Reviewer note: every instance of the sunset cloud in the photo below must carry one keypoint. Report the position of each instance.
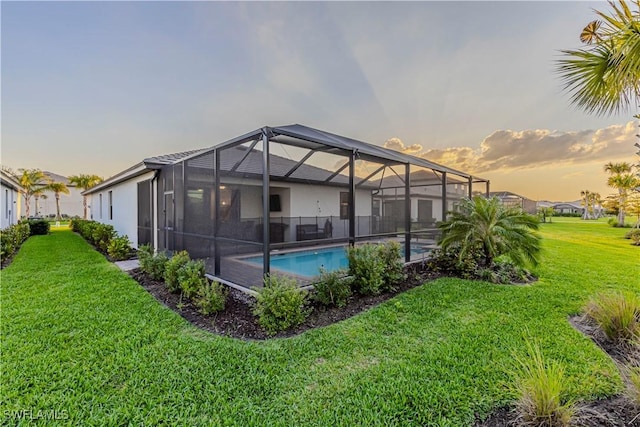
(398, 145)
(527, 149)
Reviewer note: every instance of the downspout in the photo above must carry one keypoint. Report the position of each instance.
(154, 208)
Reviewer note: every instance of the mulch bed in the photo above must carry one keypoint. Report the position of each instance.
(617, 411)
(238, 321)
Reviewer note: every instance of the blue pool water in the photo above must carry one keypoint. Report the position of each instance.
(308, 263)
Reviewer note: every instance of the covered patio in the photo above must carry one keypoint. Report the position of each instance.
(288, 200)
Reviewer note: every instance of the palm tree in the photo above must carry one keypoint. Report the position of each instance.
(39, 194)
(31, 181)
(621, 178)
(589, 200)
(85, 182)
(604, 78)
(486, 225)
(57, 188)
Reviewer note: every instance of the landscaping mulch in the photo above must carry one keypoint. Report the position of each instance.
(238, 321)
(617, 411)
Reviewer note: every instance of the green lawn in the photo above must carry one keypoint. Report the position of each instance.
(79, 336)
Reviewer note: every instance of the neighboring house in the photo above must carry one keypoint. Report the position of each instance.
(10, 199)
(70, 204)
(510, 199)
(568, 208)
(297, 185)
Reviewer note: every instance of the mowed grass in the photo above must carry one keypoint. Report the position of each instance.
(80, 336)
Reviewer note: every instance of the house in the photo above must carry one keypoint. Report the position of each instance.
(10, 191)
(286, 199)
(513, 200)
(70, 204)
(573, 208)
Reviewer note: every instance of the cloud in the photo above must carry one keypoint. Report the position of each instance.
(398, 145)
(528, 149)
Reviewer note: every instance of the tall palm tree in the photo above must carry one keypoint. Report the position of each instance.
(85, 182)
(39, 194)
(57, 188)
(621, 178)
(486, 225)
(604, 78)
(31, 181)
(589, 200)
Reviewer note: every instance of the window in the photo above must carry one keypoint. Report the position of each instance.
(100, 213)
(6, 203)
(344, 205)
(110, 204)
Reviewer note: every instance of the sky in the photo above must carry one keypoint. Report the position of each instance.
(95, 87)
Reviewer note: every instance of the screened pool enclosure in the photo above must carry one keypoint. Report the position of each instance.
(288, 200)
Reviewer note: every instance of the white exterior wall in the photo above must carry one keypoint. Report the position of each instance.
(10, 206)
(70, 204)
(125, 207)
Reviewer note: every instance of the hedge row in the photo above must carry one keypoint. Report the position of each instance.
(104, 237)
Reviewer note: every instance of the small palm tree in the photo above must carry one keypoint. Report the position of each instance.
(85, 182)
(32, 181)
(621, 178)
(604, 78)
(39, 194)
(486, 225)
(57, 188)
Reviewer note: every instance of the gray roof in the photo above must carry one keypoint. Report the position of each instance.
(303, 136)
(506, 195)
(168, 159)
(282, 168)
(58, 178)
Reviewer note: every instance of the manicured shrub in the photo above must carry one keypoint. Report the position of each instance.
(152, 264)
(12, 237)
(119, 248)
(39, 227)
(171, 269)
(451, 262)
(617, 314)
(539, 387)
(634, 235)
(191, 277)
(280, 304)
(390, 254)
(333, 288)
(102, 234)
(211, 297)
(367, 268)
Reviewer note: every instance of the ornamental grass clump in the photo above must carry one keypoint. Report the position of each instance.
(617, 314)
(540, 387)
(280, 304)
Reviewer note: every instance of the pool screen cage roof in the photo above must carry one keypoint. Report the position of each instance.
(221, 203)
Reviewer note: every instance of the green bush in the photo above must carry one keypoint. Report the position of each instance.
(503, 271)
(280, 304)
(171, 269)
(102, 234)
(12, 237)
(634, 235)
(333, 288)
(390, 254)
(450, 262)
(617, 314)
(152, 264)
(145, 255)
(211, 297)
(367, 268)
(38, 227)
(119, 248)
(539, 386)
(191, 278)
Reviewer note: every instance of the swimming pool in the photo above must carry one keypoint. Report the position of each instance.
(308, 263)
